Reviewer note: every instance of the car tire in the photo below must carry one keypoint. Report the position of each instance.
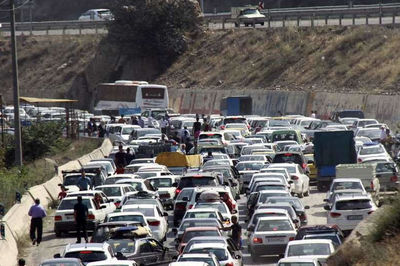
(58, 233)
(307, 193)
(262, 23)
(301, 195)
(246, 25)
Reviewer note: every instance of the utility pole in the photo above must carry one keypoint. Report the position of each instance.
(17, 124)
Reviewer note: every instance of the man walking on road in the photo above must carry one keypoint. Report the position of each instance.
(37, 212)
(80, 213)
(84, 182)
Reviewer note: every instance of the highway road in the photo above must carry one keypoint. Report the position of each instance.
(52, 245)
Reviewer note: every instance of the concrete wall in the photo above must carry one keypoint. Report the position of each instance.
(269, 102)
(17, 219)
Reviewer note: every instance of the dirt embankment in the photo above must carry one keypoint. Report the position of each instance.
(336, 59)
(362, 59)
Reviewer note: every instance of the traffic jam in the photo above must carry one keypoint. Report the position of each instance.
(187, 189)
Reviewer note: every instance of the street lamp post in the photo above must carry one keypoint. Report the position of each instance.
(17, 123)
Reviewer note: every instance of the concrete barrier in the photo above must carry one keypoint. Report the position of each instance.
(17, 218)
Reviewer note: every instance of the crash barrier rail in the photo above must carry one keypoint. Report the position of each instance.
(312, 14)
(16, 220)
(64, 26)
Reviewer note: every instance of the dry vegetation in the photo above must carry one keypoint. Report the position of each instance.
(326, 58)
(47, 65)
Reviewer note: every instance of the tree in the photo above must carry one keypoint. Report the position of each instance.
(158, 28)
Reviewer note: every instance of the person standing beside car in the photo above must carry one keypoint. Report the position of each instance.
(80, 214)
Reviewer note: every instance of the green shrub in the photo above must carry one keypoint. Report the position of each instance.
(388, 224)
(154, 28)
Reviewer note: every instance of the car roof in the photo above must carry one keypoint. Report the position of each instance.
(270, 210)
(61, 260)
(114, 214)
(201, 228)
(202, 210)
(86, 246)
(299, 259)
(272, 218)
(352, 197)
(112, 262)
(310, 241)
(346, 180)
(273, 191)
(207, 245)
(196, 255)
(112, 185)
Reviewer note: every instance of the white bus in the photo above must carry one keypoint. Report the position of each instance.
(126, 94)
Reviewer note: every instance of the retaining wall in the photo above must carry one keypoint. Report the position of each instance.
(17, 220)
(270, 102)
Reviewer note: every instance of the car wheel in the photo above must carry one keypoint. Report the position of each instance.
(236, 24)
(246, 25)
(307, 193)
(58, 233)
(262, 23)
(300, 195)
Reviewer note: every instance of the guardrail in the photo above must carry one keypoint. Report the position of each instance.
(313, 14)
(62, 26)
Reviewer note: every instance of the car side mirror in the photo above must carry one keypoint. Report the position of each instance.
(57, 256)
(327, 208)
(238, 257)
(326, 200)
(295, 221)
(175, 184)
(250, 229)
(234, 211)
(165, 214)
(306, 207)
(290, 182)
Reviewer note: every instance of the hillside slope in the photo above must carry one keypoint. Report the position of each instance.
(348, 58)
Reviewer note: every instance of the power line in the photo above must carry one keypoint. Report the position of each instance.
(15, 8)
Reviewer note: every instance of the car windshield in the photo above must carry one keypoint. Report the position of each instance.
(335, 239)
(111, 191)
(87, 255)
(201, 215)
(274, 225)
(218, 252)
(264, 196)
(249, 166)
(295, 202)
(127, 218)
(270, 187)
(70, 203)
(189, 235)
(353, 204)
(143, 132)
(136, 185)
(127, 130)
(234, 120)
(369, 133)
(309, 250)
(209, 261)
(71, 180)
(386, 167)
(220, 207)
(347, 185)
(290, 169)
(161, 182)
(373, 150)
(197, 181)
(147, 212)
(366, 122)
(279, 123)
(122, 245)
(198, 223)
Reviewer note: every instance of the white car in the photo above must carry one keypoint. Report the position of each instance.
(115, 192)
(96, 14)
(301, 182)
(138, 184)
(320, 249)
(266, 213)
(373, 134)
(114, 178)
(126, 131)
(270, 236)
(219, 206)
(205, 214)
(283, 178)
(64, 220)
(375, 150)
(345, 183)
(85, 252)
(363, 122)
(348, 211)
(166, 189)
(224, 255)
(156, 219)
(113, 263)
(276, 170)
(128, 217)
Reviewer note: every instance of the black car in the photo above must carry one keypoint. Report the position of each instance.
(145, 251)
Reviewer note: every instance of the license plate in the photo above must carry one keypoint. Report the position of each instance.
(355, 217)
(275, 239)
(69, 216)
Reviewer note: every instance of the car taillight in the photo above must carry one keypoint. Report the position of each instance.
(91, 217)
(190, 206)
(165, 196)
(154, 223)
(372, 185)
(394, 178)
(291, 238)
(177, 191)
(257, 240)
(370, 212)
(335, 214)
(57, 218)
(295, 177)
(117, 204)
(229, 264)
(304, 165)
(222, 127)
(359, 160)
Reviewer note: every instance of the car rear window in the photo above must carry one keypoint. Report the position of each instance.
(111, 191)
(210, 136)
(264, 196)
(70, 203)
(60, 264)
(147, 212)
(353, 204)
(252, 166)
(266, 214)
(199, 223)
(234, 120)
(288, 158)
(374, 150)
(127, 218)
(206, 260)
(274, 225)
(197, 181)
(270, 187)
(220, 207)
(122, 245)
(87, 255)
(218, 252)
(191, 234)
(309, 250)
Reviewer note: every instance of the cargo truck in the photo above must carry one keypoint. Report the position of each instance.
(330, 149)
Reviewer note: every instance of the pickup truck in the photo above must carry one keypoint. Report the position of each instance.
(64, 220)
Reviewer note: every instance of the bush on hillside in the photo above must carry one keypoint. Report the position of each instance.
(388, 224)
(158, 28)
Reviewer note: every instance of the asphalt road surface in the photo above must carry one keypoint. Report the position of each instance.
(52, 245)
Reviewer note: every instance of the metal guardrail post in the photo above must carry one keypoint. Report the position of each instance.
(269, 21)
(326, 20)
(223, 23)
(340, 20)
(63, 31)
(208, 23)
(80, 29)
(95, 27)
(47, 30)
(354, 19)
(394, 19)
(254, 23)
(283, 21)
(380, 14)
(298, 21)
(312, 20)
(366, 19)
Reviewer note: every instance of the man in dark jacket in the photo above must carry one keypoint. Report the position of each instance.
(81, 213)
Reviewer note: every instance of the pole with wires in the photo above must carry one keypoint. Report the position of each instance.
(17, 123)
